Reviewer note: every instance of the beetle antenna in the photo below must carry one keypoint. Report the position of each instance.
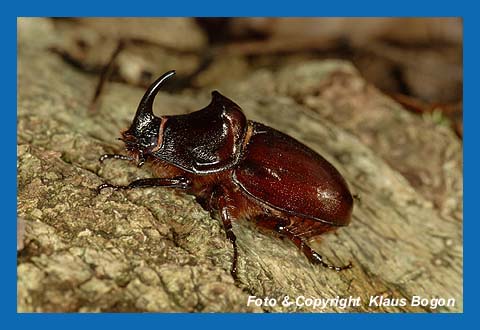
(145, 108)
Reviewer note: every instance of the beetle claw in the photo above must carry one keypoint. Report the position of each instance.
(101, 187)
(347, 266)
(317, 259)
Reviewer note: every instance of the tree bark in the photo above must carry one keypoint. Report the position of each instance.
(157, 250)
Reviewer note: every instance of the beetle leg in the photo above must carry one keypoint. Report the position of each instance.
(311, 255)
(281, 226)
(177, 182)
(141, 158)
(114, 156)
(227, 225)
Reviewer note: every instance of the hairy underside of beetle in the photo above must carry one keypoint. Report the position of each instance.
(207, 189)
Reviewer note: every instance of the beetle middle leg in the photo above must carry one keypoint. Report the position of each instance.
(227, 225)
(283, 227)
(221, 201)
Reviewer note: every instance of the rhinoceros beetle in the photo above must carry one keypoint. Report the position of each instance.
(241, 168)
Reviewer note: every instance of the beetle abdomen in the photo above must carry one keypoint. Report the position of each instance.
(287, 175)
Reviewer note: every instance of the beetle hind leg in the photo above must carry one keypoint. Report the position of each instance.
(282, 226)
(311, 254)
(316, 258)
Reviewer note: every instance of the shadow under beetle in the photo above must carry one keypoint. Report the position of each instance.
(241, 168)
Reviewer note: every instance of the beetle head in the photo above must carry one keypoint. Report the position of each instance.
(204, 141)
(142, 136)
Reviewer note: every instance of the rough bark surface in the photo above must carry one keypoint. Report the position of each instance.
(157, 250)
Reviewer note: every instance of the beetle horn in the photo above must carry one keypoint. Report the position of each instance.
(145, 108)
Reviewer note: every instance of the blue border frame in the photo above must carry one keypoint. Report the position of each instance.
(243, 8)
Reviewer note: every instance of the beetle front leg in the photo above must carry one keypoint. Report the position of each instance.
(141, 159)
(177, 182)
(114, 156)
